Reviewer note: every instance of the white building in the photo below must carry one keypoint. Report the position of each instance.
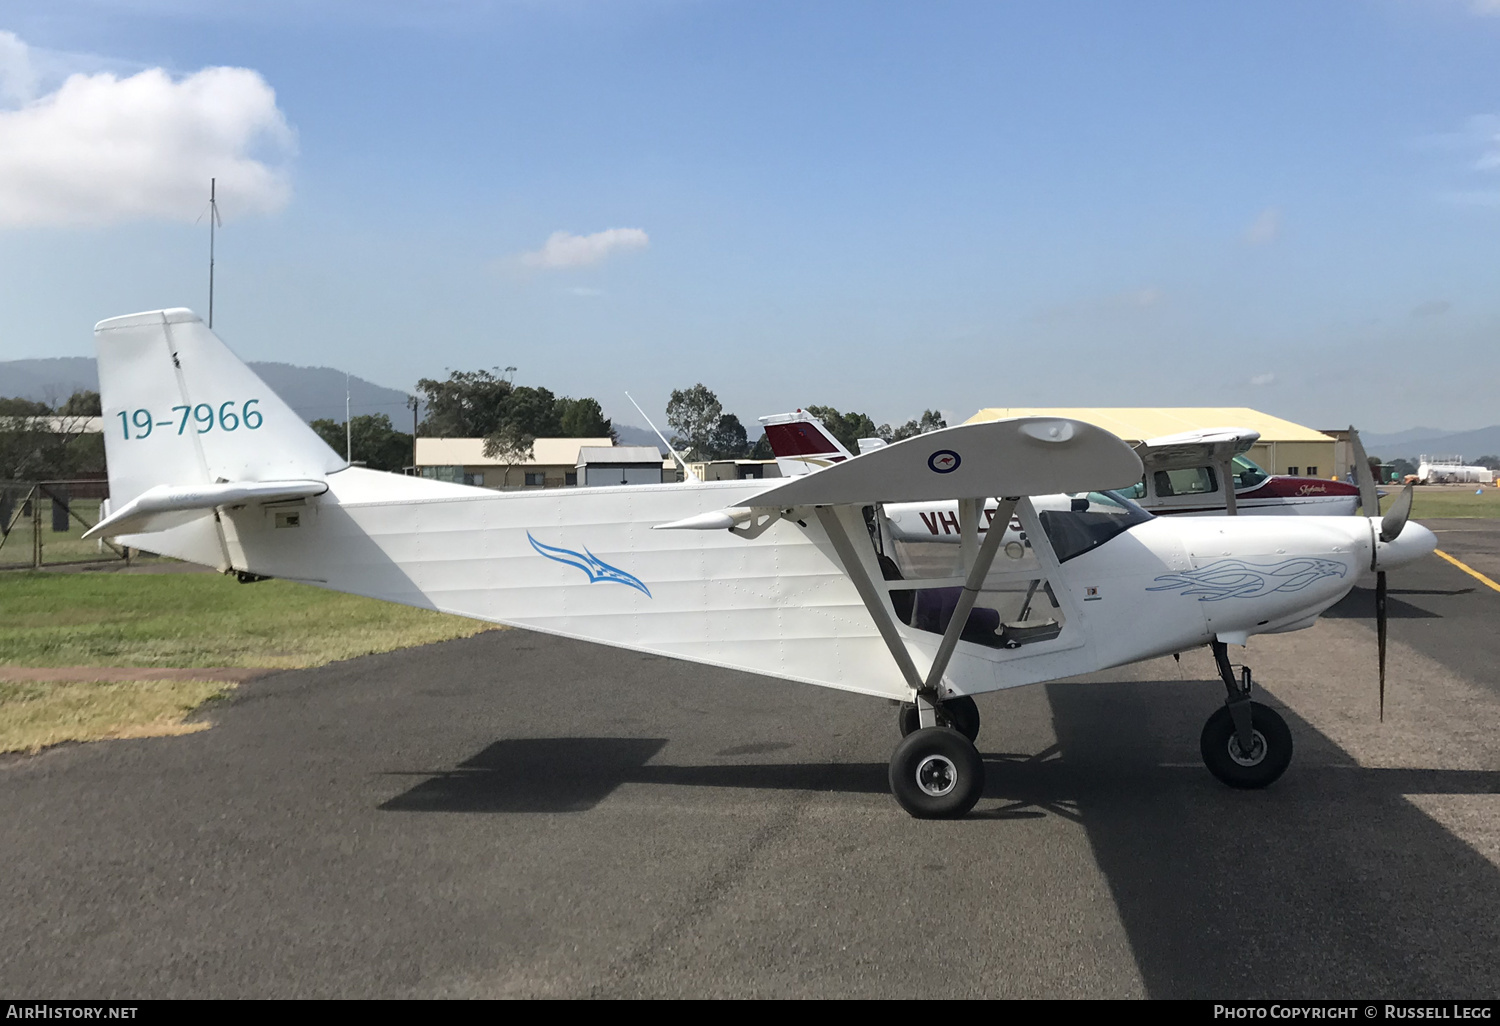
(619, 464)
(553, 462)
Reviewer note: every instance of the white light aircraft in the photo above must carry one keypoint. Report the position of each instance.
(206, 464)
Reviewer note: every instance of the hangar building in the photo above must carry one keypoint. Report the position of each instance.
(1284, 447)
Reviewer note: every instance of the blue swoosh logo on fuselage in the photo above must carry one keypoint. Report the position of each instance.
(596, 568)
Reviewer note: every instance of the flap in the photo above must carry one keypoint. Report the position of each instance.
(1021, 456)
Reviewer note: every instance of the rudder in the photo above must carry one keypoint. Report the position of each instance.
(181, 410)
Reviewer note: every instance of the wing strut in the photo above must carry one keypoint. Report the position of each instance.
(977, 573)
(874, 600)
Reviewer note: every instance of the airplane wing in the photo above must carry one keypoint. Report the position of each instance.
(1195, 448)
(1022, 456)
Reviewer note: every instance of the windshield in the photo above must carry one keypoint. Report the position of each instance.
(1247, 474)
(1089, 520)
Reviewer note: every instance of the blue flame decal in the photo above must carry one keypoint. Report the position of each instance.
(596, 568)
(1235, 578)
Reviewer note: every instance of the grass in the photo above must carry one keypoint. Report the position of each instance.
(1447, 501)
(196, 620)
(174, 620)
(34, 716)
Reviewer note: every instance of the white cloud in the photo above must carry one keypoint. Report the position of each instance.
(563, 249)
(1264, 229)
(1485, 6)
(583, 290)
(18, 77)
(1263, 379)
(104, 148)
(1489, 160)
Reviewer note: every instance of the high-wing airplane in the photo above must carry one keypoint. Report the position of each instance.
(208, 465)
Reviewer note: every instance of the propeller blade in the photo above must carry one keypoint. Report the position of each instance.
(1363, 475)
(1392, 523)
(1380, 634)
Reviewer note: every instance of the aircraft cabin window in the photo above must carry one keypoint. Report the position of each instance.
(1247, 474)
(1191, 481)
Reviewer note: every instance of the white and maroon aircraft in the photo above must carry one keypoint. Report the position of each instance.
(208, 465)
(1182, 474)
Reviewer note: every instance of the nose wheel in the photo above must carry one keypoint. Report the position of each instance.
(1267, 757)
(936, 773)
(1244, 744)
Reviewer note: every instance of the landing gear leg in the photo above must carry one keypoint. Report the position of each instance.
(960, 712)
(1244, 744)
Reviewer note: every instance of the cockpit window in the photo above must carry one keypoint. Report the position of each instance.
(1090, 520)
(1247, 474)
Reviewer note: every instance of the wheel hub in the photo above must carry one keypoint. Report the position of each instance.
(937, 776)
(1257, 752)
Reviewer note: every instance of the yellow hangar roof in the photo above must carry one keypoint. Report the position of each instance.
(1137, 423)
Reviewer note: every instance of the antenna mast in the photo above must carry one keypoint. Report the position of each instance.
(213, 223)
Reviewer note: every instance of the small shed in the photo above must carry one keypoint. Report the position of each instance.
(619, 464)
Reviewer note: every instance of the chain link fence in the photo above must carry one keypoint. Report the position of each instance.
(42, 524)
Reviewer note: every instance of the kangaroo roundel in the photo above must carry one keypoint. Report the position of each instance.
(944, 461)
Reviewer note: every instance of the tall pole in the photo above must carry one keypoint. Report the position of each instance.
(213, 217)
(411, 401)
(348, 424)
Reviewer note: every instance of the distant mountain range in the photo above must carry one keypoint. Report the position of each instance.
(1416, 442)
(314, 392)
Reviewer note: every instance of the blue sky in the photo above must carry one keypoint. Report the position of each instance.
(877, 206)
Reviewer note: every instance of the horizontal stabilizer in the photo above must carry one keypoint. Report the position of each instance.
(167, 506)
(1023, 456)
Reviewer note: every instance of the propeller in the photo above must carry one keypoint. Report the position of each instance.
(1391, 526)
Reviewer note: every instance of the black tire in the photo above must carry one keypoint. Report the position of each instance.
(1269, 758)
(962, 714)
(936, 773)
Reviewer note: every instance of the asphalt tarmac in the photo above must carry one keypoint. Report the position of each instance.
(515, 815)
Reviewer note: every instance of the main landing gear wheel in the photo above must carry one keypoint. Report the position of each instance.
(936, 773)
(1270, 750)
(961, 713)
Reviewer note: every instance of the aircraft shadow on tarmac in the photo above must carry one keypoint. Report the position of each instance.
(1359, 604)
(1329, 883)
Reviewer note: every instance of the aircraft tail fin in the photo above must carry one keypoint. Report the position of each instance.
(801, 444)
(183, 412)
